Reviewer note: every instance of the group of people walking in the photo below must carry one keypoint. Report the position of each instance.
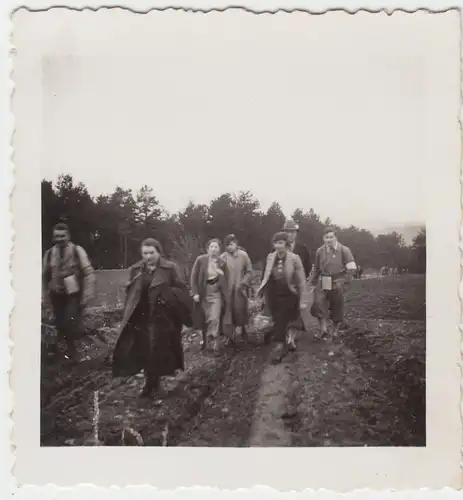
(158, 302)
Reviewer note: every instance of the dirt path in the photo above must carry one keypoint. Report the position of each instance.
(275, 399)
(363, 388)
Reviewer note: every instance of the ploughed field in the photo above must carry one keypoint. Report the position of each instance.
(367, 387)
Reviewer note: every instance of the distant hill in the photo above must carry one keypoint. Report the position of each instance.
(408, 231)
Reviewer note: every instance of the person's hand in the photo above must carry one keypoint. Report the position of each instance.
(303, 305)
(196, 298)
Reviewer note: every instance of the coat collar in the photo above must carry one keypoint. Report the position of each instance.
(162, 263)
(160, 275)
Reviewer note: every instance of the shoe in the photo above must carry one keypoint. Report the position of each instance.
(231, 342)
(73, 357)
(70, 351)
(203, 342)
(215, 347)
(148, 389)
(291, 340)
(278, 354)
(291, 345)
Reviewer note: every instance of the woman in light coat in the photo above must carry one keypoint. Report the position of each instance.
(209, 290)
(283, 288)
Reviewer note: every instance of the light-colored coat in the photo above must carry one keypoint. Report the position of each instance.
(294, 271)
(198, 282)
(239, 275)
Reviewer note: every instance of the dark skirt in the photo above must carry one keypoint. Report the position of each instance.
(284, 308)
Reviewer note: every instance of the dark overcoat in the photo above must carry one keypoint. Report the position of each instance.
(170, 307)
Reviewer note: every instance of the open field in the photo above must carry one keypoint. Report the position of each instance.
(110, 287)
(367, 387)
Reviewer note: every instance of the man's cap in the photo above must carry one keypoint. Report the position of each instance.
(290, 225)
(229, 238)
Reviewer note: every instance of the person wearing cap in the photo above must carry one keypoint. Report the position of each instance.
(291, 228)
(68, 284)
(239, 273)
(283, 289)
(334, 266)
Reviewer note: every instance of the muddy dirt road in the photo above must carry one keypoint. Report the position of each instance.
(365, 387)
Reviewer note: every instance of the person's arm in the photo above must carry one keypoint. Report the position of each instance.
(301, 279)
(88, 275)
(127, 285)
(349, 263)
(307, 262)
(177, 280)
(316, 271)
(194, 278)
(266, 263)
(247, 275)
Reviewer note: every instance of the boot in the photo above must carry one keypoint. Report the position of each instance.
(215, 347)
(323, 327)
(291, 342)
(71, 351)
(336, 327)
(244, 334)
(204, 340)
(279, 353)
(151, 386)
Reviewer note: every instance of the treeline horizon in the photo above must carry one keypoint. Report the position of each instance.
(111, 227)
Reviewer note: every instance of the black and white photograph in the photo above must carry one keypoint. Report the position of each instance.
(235, 223)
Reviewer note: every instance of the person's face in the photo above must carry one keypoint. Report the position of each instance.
(279, 246)
(291, 236)
(213, 248)
(329, 239)
(232, 246)
(149, 254)
(60, 236)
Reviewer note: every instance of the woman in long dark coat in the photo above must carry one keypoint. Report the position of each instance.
(157, 304)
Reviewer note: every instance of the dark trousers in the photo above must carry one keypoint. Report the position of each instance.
(284, 308)
(67, 313)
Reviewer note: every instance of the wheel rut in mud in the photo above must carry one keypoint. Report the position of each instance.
(210, 404)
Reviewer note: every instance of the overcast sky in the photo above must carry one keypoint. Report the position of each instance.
(312, 113)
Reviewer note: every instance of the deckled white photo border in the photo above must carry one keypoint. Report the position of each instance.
(6, 185)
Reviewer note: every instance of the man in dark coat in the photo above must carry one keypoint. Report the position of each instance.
(292, 230)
